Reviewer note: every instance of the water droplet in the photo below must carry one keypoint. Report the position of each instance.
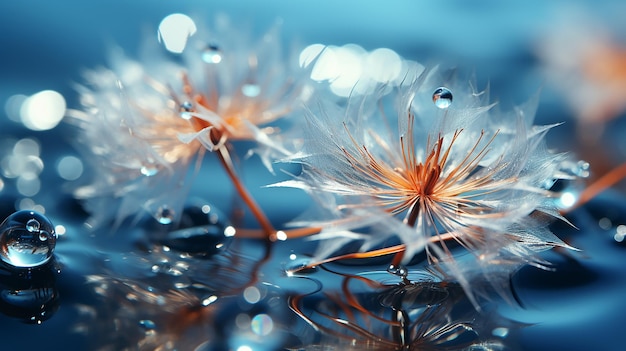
(147, 324)
(251, 90)
(27, 239)
(149, 170)
(32, 225)
(186, 106)
(567, 192)
(299, 265)
(582, 169)
(212, 54)
(201, 230)
(400, 271)
(164, 215)
(573, 169)
(442, 97)
(500, 332)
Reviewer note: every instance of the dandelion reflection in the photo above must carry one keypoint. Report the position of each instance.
(421, 315)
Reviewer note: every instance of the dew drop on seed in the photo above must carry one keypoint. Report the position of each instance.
(572, 168)
(186, 106)
(27, 239)
(185, 110)
(400, 270)
(212, 54)
(442, 97)
(582, 169)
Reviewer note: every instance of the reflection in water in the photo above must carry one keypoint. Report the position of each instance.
(421, 315)
(29, 295)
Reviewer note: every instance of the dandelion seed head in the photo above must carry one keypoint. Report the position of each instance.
(434, 176)
(145, 122)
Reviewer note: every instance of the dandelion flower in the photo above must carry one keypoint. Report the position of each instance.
(454, 170)
(143, 124)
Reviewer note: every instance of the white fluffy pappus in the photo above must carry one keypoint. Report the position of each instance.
(143, 123)
(432, 175)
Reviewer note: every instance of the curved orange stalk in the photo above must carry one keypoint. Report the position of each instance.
(218, 136)
(269, 230)
(397, 249)
(288, 233)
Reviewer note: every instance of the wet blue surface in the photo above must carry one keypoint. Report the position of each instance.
(86, 290)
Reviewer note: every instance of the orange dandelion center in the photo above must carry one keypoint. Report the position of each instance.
(440, 191)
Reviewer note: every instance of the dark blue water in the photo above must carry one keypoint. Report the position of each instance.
(142, 287)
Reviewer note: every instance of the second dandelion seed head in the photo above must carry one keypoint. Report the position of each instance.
(144, 122)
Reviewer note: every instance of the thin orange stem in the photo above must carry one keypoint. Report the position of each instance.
(289, 233)
(399, 250)
(606, 181)
(224, 157)
(369, 254)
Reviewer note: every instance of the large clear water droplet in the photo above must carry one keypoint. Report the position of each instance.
(442, 97)
(201, 230)
(27, 239)
(212, 54)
